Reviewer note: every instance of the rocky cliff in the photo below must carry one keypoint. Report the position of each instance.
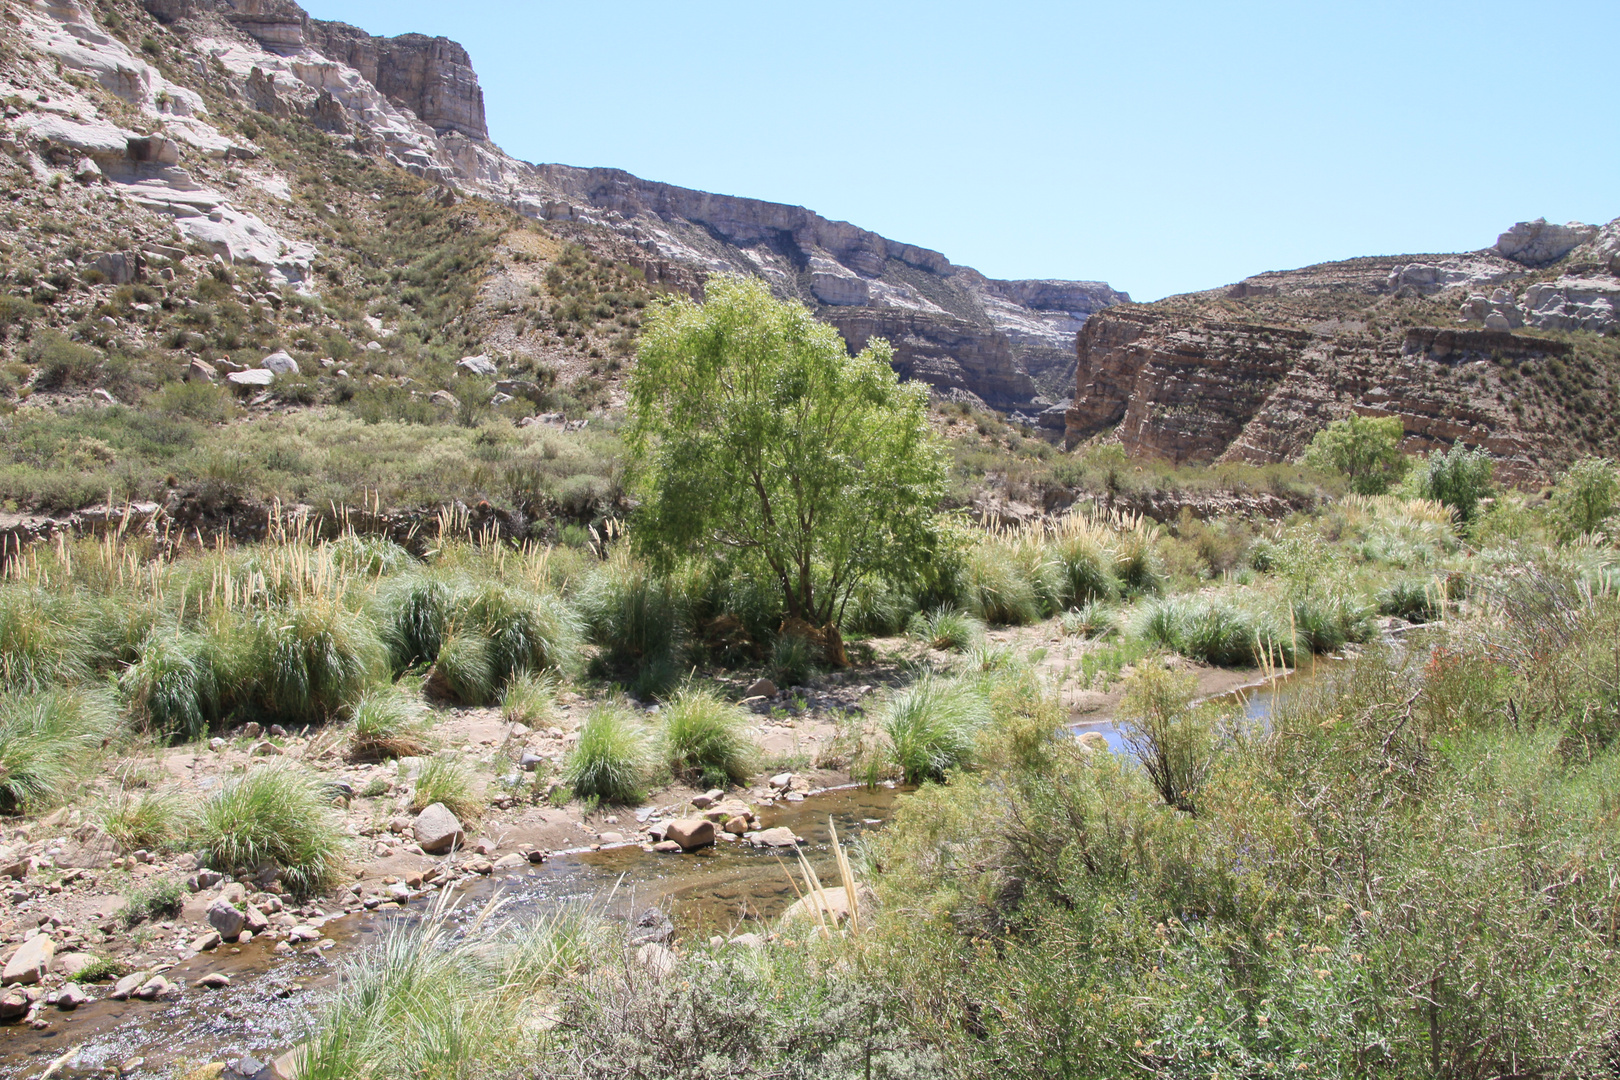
(416, 101)
(1250, 372)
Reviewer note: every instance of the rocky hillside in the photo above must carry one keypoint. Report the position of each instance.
(169, 137)
(1512, 348)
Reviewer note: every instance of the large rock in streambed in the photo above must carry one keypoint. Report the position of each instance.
(437, 829)
(833, 905)
(30, 963)
(227, 919)
(690, 833)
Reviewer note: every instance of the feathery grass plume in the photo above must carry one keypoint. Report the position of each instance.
(276, 814)
(1000, 585)
(932, 725)
(1078, 569)
(945, 629)
(635, 618)
(43, 640)
(158, 819)
(704, 738)
(465, 669)
(388, 723)
(529, 699)
(374, 556)
(1173, 740)
(446, 780)
(171, 687)
(414, 614)
(46, 740)
(526, 632)
(1136, 563)
(610, 761)
(318, 657)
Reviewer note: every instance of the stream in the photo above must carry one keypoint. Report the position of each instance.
(273, 1002)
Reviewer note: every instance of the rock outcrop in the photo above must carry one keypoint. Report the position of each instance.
(1252, 371)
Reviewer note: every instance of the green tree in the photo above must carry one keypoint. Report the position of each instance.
(1365, 449)
(1460, 478)
(756, 436)
(1584, 498)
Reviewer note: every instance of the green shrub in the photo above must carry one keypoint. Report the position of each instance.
(1078, 571)
(63, 364)
(44, 641)
(388, 723)
(932, 725)
(609, 762)
(1173, 740)
(945, 629)
(526, 632)
(1136, 565)
(374, 556)
(465, 669)
(795, 660)
(47, 740)
(1203, 628)
(199, 401)
(1414, 599)
(1585, 497)
(414, 614)
(274, 814)
(1000, 589)
(160, 898)
(704, 739)
(100, 969)
(1091, 620)
(157, 819)
(446, 780)
(1366, 450)
(318, 658)
(1459, 478)
(171, 687)
(529, 699)
(637, 621)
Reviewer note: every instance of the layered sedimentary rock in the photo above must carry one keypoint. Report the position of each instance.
(1252, 371)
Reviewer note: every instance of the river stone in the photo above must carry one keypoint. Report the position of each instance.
(761, 688)
(214, 980)
(126, 986)
(226, 918)
(781, 836)
(13, 1004)
(667, 847)
(690, 833)
(30, 963)
(782, 781)
(737, 826)
(212, 1071)
(1093, 740)
(70, 997)
(437, 829)
(610, 838)
(835, 909)
(748, 941)
(512, 861)
(206, 941)
(658, 961)
(70, 964)
(251, 377)
(254, 921)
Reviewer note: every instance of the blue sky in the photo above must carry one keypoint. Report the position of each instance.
(1161, 147)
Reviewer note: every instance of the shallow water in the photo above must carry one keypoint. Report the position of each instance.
(272, 1002)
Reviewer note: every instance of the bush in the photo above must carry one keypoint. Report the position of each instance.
(529, 699)
(1459, 478)
(46, 742)
(465, 669)
(446, 780)
(999, 587)
(637, 621)
(44, 641)
(527, 633)
(157, 819)
(171, 688)
(1173, 740)
(704, 739)
(609, 762)
(63, 364)
(932, 725)
(1202, 628)
(1413, 599)
(414, 613)
(388, 724)
(161, 898)
(1089, 620)
(795, 660)
(199, 401)
(945, 629)
(100, 969)
(1585, 497)
(318, 657)
(274, 814)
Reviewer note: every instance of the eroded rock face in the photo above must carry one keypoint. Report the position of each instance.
(1192, 379)
(1539, 242)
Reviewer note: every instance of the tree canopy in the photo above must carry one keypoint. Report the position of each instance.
(1365, 449)
(757, 437)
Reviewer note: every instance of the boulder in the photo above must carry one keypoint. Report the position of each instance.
(13, 1004)
(70, 997)
(30, 963)
(201, 371)
(690, 833)
(737, 826)
(833, 904)
(478, 365)
(444, 399)
(437, 830)
(253, 377)
(214, 980)
(761, 688)
(781, 836)
(118, 267)
(70, 964)
(1538, 242)
(658, 961)
(254, 920)
(280, 363)
(227, 919)
(125, 987)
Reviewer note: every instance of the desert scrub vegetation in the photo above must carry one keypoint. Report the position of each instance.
(1336, 887)
(389, 723)
(448, 781)
(611, 762)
